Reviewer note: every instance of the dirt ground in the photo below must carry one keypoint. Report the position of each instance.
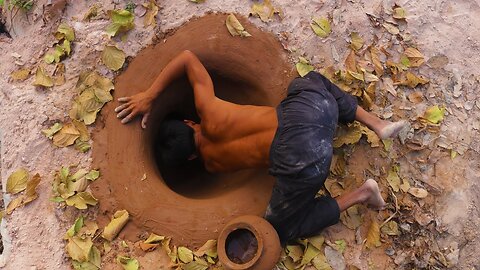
(440, 228)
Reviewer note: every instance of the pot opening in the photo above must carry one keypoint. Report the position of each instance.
(241, 246)
(191, 179)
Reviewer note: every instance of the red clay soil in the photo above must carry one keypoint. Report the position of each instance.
(188, 204)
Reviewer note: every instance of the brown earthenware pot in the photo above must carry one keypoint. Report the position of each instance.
(268, 246)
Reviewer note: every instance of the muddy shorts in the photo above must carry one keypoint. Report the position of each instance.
(301, 154)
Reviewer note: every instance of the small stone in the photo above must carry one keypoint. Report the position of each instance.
(405, 227)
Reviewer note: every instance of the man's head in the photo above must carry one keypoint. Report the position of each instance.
(176, 142)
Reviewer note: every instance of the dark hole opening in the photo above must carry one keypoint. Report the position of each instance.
(191, 179)
(241, 246)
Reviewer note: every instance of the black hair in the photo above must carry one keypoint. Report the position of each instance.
(175, 142)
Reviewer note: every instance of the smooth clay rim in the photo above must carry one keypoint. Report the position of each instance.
(222, 252)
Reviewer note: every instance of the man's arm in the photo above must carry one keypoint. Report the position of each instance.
(185, 62)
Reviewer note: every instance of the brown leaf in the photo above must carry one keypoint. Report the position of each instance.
(415, 97)
(415, 56)
(350, 62)
(66, 136)
(375, 55)
(59, 74)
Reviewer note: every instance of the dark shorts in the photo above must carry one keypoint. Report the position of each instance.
(301, 154)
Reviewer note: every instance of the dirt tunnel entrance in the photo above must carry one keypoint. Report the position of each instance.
(188, 204)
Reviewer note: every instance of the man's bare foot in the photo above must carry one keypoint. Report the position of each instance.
(390, 129)
(373, 198)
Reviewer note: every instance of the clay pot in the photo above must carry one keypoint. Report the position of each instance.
(265, 253)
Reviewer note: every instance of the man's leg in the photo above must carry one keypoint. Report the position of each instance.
(368, 193)
(348, 110)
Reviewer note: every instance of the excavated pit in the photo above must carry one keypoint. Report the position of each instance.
(188, 204)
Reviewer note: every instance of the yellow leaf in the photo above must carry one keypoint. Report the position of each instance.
(320, 262)
(152, 11)
(20, 75)
(434, 114)
(405, 186)
(333, 187)
(390, 228)
(415, 57)
(391, 28)
(31, 190)
(42, 79)
(195, 265)
(185, 255)
(66, 136)
(351, 218)
(65, 31)
(113, 57)
(264, 11)
(399, 13)
(316, 241)
(321, 27)
(128, 263)
(82, 130)
(235, 27)
(418, 192)
(59, 74)
(17, 181)
(79, 248)
(14, 204)
(122, 21)
(351, 136)
(91, 12)
(295, 252)
(303, 66)
(120, 218)
(152, 242)
(413, 80)
(373, 235)
(209, 248)
(393, 179)
(310, 253)
(356, 42)
(81, 200)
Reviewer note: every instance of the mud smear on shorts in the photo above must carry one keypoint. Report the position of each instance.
(195, 205)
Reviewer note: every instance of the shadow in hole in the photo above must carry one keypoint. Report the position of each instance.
(191, 179)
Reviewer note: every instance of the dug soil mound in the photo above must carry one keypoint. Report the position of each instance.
(187, 203)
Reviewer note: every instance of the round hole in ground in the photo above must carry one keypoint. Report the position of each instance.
(192, 179)
(241, 246)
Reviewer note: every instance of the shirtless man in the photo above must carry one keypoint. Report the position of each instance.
(293, 140)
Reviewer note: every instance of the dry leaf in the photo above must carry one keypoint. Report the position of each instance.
(350, 62)
(391, 28)
(265, 11)
(91, 12)
(120, 218)
(185, 255)
(42, 79)
(295, 252)
(393, 179)
(399, 13)
(320, 262)
(20, 75)
(303, 66)
(415, 97)
(390, 228)
(152, 242)
(17, 181)
(209, 248)
(415, 57)
(356, 42)
(413, 80)
(49, 132)
(310, 253)
(434, 114)
(418, 192)
(351, 217)
(321, 27)
(373, 235)
(128, 263)
(152, 11)
(375, 56)
(235, 27)
(66, 136)
(59, 74)
(81, 200)
(82, 130)
(113, 57)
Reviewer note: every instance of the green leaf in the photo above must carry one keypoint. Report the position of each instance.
(434, 114)
(42, 79)
(81, 200)
(122, 21)
(17, 181)
(235, 27)
(94, 257)
(128, 263)
(75, 227)
(185, 255)
(303, 66)
(52, 130)
(92, 175)
(66, 136)
(113, 57)
(321, 27)
(65, 31)
(82, 146)
(120, 218)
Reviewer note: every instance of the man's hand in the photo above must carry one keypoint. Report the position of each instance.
(139, 104)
